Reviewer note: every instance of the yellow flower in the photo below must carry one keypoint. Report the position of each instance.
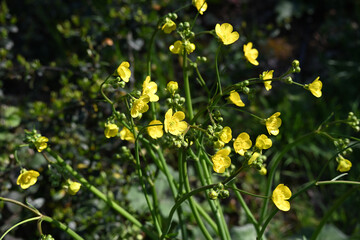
(235, 99)
(253, 158)
(221, 160)
(226, 34)
(124, 71)
(155, 131)
(344, 165)
(169, 26)
(73, 187)
(172, 87)
(263, 171)
(273, 123)
(41, 143)
(111, 130)
(27, 178)
(242, 143)
(126, 134)
(178, 47)
(225, 135)
(315, 87)
(174, 124)
(279, 197)
(263, 142)
(150, 89)
(140, 106)
(200, 5)
(251, 53)
(265, 76)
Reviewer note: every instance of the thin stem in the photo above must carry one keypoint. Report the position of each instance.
(268, 219)
(140, 175)
(20, 204)
(337, 182)
(63, 227)
(99, 194)
(217, 70)
(178, 203)
(276, 160)
(217, 211)
(199, 221)
(272, 214)
(20, 223)
(245, 207)
(187, 87)
(336, 205)
(233, 187)
(149, 54)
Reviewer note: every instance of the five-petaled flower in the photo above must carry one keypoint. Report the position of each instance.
(124, 71)
(178, 47)
(280, 196)
(235, 99)
(174, 124)
(273, 123)
(150, 89)
(111, 130)
(265, 76)
(251, 53)
(226, 34)
(155, 129)
(126, 134)
(140, 106)
(344, 164)
(221, 160)
(315, 87)
(168, 26)
(27, 178)
(242, 143)
(200, 5)
(73, 187)
(263, 142)
(41, 143)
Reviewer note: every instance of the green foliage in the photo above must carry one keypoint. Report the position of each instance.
(54, 56)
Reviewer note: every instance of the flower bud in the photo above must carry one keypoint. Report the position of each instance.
(246, 90)
(224, 194)
(288, 80)
(213, 195)
(295, 64)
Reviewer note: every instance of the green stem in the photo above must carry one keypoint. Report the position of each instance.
(187, 87)
(337, 182)
(63, 227)
(217, 211)
(20, 204)
(272, 214)
(246, 208)
(217, 70)
(336, 205)
(99, 194)
(203, 229)
(149, 54)
(178, 203)
(140, 175)
(276, 160)
(20, 223)
(233, 187)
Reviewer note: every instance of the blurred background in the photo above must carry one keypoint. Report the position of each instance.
(55, 54)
